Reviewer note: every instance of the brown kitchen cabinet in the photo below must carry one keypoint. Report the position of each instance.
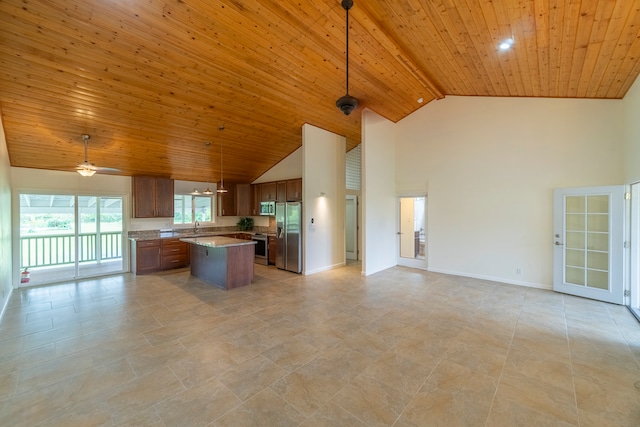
(146, 256)
(175, 254)
(227, 202)
(294, 190)
(152, 197)
(281, 191)
(256, 196)
(269, 191)
(244, 200)
(271, 241)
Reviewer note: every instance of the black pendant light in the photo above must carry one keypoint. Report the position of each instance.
(347, 103)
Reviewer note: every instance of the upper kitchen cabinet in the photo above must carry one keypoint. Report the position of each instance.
(269, 192)
(152, 197)
(256, 195)
(294, 190)
(244, 200)
(227, 202)
(281, 191)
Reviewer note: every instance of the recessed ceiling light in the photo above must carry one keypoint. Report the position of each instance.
(506, 44)
(420, 100)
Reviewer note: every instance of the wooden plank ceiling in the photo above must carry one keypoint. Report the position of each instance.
(152, 80)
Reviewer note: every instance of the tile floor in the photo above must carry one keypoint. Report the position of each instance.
(398, 348)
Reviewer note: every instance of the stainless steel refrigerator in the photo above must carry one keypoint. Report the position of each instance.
(289, 236)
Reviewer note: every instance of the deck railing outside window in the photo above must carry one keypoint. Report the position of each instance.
(52, 250)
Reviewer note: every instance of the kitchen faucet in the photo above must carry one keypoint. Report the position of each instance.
(195, 226)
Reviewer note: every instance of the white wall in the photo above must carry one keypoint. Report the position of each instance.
(491, 165)
(631, 103)
(323, 170)
(6, 277)
(288, 168)
(380, 242)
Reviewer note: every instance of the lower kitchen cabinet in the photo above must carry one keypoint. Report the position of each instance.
(175, 254)
(145, 256)
(160, 254)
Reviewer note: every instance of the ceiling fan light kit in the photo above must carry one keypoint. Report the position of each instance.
(347, 103)
(85, 168)
(89, 169)
(86, 171)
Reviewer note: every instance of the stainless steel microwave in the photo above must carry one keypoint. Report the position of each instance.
(268, 208)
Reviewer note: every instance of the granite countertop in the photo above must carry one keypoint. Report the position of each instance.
(155, 234)
(217, 241)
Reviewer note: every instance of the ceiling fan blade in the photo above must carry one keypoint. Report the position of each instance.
(105, 169)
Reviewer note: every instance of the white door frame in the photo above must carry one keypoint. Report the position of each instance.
(354, 234)
(409, 262)
(634, 251)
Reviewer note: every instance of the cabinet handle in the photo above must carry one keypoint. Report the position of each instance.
(175, 250)
(175, 261)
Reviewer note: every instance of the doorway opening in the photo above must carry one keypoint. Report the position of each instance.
(412, 232)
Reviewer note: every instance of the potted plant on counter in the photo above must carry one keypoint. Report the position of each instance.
(245, 224)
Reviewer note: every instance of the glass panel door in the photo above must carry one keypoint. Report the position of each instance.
(47, 238)
(99, 236)
(63, 237)
(588, 242)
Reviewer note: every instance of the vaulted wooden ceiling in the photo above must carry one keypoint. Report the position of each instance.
(152, 80)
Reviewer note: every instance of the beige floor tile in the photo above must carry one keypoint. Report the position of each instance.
(538, 395)
(621, 405)
(401, 347)
(372, 401)
(398, 372)
(311, 386)
(263, 409)
(507, 413)
(444, 408)
(250, 377)
(540, 366)
(292, 353)
(198, 406)
(332, 415)
(150, 359)
(142, 393)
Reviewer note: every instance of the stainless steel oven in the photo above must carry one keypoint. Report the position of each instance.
(262, 249)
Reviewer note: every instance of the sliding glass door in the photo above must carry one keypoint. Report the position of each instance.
(64, 237)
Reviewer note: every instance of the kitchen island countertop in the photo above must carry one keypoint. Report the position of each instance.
(217, 241)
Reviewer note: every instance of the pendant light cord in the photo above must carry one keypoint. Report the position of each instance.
(346, 9)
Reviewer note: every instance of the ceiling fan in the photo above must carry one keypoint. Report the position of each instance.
(89, 169)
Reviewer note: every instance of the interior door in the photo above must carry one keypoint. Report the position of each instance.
(588, 242)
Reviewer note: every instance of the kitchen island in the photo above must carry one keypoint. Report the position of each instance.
(222, 261)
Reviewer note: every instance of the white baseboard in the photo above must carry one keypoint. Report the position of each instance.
(494, 279)
(327, 268)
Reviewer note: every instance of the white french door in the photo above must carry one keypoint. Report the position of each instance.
(589, 242)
